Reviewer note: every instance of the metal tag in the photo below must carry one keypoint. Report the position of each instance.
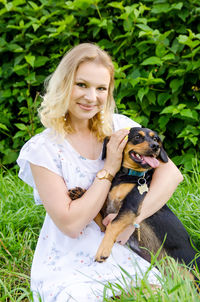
(143, 188)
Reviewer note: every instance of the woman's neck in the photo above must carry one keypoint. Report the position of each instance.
(80, 126)
(85, 143)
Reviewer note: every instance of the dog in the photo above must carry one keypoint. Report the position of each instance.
(142, 154)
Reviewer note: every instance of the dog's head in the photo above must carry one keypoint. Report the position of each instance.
(143, 150)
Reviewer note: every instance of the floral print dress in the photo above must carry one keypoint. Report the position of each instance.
(63, 268)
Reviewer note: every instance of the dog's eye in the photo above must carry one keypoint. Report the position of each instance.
(156, 139)
(137, 136)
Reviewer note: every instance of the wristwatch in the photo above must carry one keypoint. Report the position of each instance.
(104, 174)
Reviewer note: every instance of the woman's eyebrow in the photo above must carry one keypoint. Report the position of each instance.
(80, 79)
(88, 81)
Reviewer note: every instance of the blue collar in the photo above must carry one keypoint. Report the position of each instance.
(133, 172)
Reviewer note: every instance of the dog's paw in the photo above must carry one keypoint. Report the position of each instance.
(76, 193)
(102, 228)
(102, 254)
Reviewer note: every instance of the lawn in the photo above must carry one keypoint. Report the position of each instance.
(21, 220)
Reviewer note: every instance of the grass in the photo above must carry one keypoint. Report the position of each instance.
(20, 223)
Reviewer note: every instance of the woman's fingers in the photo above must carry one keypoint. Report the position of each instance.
(125, 235)
(115, 148)
(117, 142)
(118, 137)
(109, 218)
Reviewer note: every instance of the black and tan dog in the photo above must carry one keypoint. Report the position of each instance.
(141, 156)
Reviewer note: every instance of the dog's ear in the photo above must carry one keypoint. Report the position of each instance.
(106, 140)
(163, 155)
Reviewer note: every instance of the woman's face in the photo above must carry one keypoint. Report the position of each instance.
(90, 91)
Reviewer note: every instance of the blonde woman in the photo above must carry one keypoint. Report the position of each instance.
(77, 111)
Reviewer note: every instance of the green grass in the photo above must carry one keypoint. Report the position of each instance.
(20, 223)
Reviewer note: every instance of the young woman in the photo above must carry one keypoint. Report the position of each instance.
(77, 111)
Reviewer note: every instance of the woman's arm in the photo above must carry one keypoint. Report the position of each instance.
(71, 217)
(164, 182)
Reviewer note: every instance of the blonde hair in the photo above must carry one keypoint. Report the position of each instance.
(59, 87)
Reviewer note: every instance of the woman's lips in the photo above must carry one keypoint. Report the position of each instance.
(86, 107)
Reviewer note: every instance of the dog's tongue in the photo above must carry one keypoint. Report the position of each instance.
(151, 161)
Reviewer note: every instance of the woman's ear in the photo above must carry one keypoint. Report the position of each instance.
(106, 140)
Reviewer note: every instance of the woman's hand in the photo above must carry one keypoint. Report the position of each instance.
(125, 235)
(114, 151)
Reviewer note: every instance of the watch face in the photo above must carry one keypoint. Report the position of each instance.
(101, 173)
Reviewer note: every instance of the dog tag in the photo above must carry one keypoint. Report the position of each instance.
(142, 186)
(137, 227)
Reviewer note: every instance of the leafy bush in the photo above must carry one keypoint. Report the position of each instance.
(155, 46)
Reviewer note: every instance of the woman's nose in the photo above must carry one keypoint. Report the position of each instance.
(90, 94)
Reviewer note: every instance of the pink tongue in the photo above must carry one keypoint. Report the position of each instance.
(151, 161)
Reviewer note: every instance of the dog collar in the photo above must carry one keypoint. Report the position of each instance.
(132, 172)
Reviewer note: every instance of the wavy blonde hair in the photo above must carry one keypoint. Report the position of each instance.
(59, 85)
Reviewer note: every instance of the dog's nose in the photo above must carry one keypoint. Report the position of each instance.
(154, 147)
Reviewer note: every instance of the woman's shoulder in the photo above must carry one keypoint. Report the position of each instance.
(122, 121)
(41, 150)
(41, 146)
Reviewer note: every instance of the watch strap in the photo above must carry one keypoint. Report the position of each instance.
(106, 176)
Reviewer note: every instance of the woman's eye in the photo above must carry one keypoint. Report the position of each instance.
(82, 85)
(102, 88)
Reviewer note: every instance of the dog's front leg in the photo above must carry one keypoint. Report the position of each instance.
(114, 228)
(116, 197)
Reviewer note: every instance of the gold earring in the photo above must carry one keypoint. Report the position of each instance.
(65, 117)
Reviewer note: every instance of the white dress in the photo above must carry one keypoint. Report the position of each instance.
(63, 268)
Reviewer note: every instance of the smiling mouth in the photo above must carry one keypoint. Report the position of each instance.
(143, 160)
(86, 107)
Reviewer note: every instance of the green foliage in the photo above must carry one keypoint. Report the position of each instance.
(155, 46)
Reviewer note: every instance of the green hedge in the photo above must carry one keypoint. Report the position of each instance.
(155, 46)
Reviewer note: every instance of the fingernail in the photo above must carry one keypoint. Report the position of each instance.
(126, 138)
